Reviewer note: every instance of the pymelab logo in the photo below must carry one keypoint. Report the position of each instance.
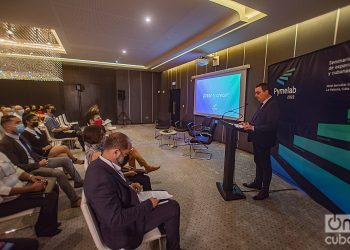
(289, 91)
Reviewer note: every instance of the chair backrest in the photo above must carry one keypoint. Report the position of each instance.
(61, 121)
(212, 128)
(65, 119)
(92, 223)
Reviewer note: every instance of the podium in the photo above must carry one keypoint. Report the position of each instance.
(228, 188)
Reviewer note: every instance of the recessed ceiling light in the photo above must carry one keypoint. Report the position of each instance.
(124, 51)
(148, 19)
(2, 40)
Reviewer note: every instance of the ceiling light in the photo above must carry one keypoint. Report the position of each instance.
(116, 61)
(9, 32)
(124, 51)
(148, 19)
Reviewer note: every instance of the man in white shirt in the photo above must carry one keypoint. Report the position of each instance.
(16, 196)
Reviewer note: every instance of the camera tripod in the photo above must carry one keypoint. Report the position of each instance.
(123, 117)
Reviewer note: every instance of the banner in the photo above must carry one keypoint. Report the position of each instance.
(313, 150)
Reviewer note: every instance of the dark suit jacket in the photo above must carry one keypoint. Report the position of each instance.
(17, 154)
(120, 215)
(37, 144)
(265, 124)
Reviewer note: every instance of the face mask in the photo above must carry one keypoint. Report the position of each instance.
(35, 124)
(20, 128)
(20, 112)
(122, 162)
(11, 113)
(98, 122)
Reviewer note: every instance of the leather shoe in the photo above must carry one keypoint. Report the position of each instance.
(262, 195)
(252, 185)
(55, 232)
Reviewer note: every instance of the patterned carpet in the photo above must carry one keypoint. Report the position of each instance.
(287, 220)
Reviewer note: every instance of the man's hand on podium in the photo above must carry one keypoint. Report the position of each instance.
(246, 126)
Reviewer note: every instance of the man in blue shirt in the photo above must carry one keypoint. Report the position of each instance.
(56, 129)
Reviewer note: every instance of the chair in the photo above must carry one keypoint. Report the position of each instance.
(95, 233)
(202, 138)
(30, 212)
(182, 127)
(67, 122)
(163, 122)
(195, 129)
(53, 141)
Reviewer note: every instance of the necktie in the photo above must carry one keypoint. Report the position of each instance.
(256, 114)
(29, 150)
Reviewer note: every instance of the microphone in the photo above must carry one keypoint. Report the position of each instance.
(233, 110)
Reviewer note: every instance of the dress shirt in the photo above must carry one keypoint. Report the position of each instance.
(9, 174)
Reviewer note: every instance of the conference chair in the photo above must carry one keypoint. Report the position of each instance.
(95, 232)
(181, 126)
(201, 139)
(70, 142)
(67, 122)
(29, 212)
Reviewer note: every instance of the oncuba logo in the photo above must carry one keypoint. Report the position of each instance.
(290, 91)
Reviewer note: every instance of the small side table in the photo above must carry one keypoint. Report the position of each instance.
(171, 139)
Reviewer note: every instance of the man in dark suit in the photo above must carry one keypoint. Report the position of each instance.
(21, 155)
(262, 131)
(122, 218)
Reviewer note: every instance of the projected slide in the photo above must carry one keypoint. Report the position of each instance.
(218, 94)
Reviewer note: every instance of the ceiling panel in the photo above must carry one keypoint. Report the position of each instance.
(100, 29)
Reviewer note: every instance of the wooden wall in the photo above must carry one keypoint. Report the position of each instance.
(296, 40)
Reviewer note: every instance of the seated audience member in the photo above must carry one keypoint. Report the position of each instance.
(21, 155)
(134, 156)
(33, 108)
(39, 142)
(54, 127)
(94, 109)
(94, 118)
(94, 137)
(122, 218)
(18, 111)
(7, 111)
(27, 109)
(16, 196)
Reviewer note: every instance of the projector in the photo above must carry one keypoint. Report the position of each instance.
(202, 61)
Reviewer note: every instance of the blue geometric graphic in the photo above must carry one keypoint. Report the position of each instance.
(332, 187)
(283, 78)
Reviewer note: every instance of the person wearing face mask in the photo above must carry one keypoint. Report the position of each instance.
(17, 149)
(56, 130)
(39, 142)
(19, 111)
(94, 118)
(122, 218)
(94, 137)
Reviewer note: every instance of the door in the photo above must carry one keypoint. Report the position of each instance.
(174, 105)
